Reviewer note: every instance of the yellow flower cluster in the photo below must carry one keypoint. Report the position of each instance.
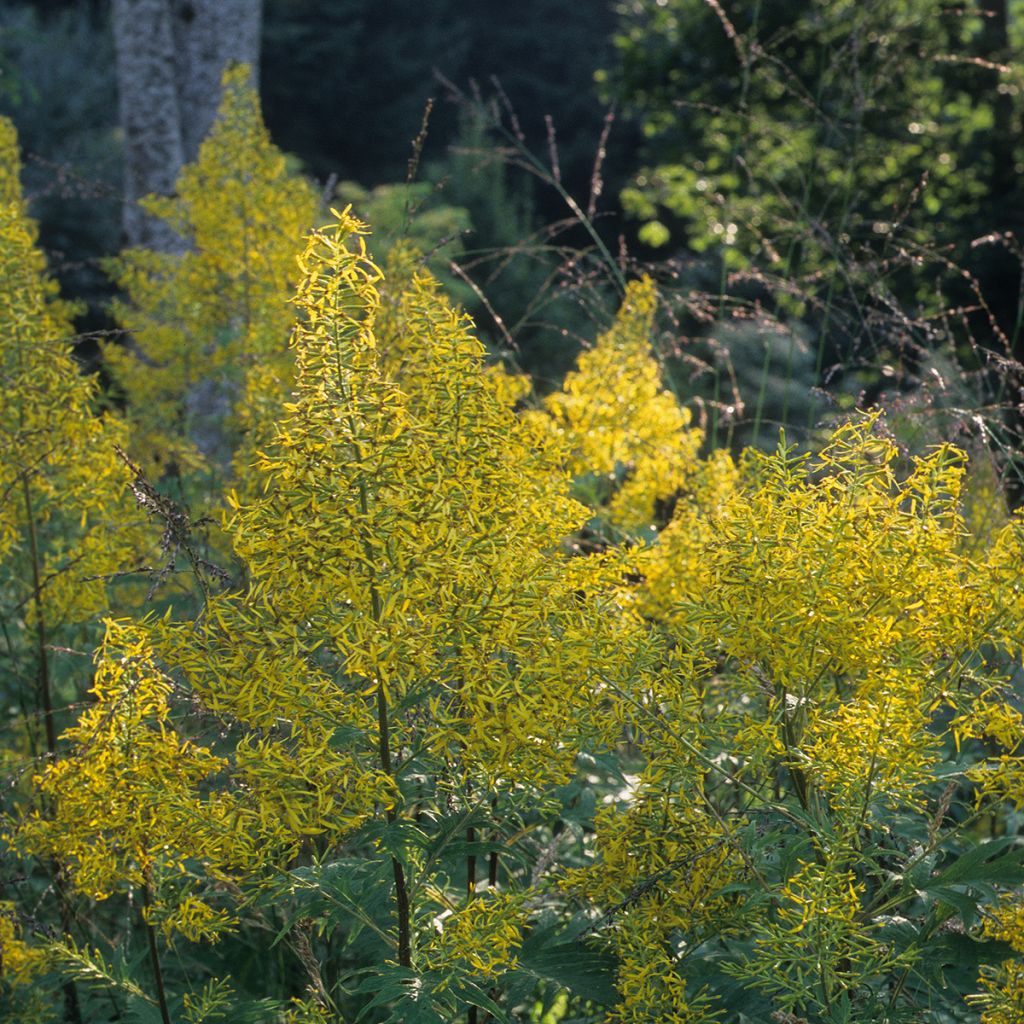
(417, 647)
(663, 861)
(1002, 995)
(830, 634)
(64, 502)
(20, 961)
(191, 918)
(653, 989)
(431, 569)
(817, 941)
(663, 864)
(23, 1000)
(412, 310)
(203, 319)
(842, 599)
(619, 424)
(67, 516)
(410, 600)
(125, 804)
(480, 938)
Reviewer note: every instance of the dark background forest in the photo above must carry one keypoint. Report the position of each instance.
(828, 192)
(344, 86)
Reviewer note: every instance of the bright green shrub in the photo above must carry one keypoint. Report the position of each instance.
(433, 753)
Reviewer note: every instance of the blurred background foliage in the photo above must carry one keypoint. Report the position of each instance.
(826, 192)
(57, 83)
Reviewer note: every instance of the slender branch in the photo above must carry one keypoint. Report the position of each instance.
(384, 748)
(402, 906)
(472, 1016)
(401, 889)
(530, 163)
(45, 688)
(154, 954)
(71, 1004)
(492, 866)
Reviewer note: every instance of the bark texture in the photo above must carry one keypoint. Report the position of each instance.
(170, 55)
(209, 35)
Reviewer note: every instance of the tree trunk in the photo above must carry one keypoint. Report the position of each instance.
(150, 118)
(209, 35)
(170, 55)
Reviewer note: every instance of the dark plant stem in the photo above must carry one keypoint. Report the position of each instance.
(72, 1009)
(154, 954)
(384, 737)
(45, 690)
(470, 863)
(492, 865)
(492, 881)
(472, 1016)
(401, 889)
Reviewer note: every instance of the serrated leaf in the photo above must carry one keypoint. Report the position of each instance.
(562, 957)
(983, 864)
(960, 898)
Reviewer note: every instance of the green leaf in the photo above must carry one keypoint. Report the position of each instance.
(562, 956)
(958, 897)
(404, 992)
(654, 234)
(983, 864)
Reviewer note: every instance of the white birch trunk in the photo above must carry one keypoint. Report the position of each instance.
(170, 56)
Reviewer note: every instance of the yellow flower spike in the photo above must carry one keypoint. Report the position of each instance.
(614, 416)
(211, 326)
(128, 799)
(408, 589)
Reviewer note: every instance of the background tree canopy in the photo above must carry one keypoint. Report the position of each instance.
(854, 151)
(518, 523)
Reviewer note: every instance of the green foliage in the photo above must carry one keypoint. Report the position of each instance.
(842, 170)
(511, 708)
(805, 112)
(209, 327)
